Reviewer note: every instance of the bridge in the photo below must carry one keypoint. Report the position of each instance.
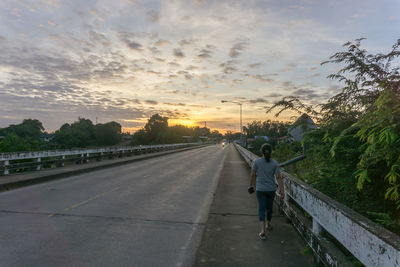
(181, 205)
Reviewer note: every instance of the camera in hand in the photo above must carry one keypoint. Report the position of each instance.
(250, 189)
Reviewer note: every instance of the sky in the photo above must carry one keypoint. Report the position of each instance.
(125, 60)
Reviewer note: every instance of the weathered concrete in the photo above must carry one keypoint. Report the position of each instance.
(231, 234)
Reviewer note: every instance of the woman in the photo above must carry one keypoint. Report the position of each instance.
(263, 173)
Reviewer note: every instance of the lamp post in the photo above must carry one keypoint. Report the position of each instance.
(241, 128)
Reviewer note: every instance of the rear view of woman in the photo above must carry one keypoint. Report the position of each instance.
(263, 173)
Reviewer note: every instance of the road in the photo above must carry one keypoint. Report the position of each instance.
(147, 213)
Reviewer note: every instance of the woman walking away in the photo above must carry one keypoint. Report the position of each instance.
(263, 173)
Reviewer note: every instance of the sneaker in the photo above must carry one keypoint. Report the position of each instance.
(262, 236)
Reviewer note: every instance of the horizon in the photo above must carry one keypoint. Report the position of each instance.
(126, 60)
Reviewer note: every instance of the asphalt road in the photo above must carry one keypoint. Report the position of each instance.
(148, 213)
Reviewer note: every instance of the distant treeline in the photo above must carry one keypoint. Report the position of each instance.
(157, 131)
(30, 135)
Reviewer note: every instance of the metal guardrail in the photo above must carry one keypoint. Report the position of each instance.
(370, 243)
(36, 160)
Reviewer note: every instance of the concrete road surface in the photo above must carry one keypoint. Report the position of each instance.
(148, 213)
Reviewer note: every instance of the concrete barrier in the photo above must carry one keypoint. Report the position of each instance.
(370, 243)
(35, 160)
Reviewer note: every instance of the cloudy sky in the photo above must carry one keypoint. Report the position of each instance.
(125, 60)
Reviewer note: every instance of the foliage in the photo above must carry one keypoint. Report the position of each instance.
(25, 136)
(157, 131)
(354, 156)
(13, 143)
(108, 134)
(83, 133)
(78, 134)
(258, 142)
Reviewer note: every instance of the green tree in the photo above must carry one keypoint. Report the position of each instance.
(359, 128)
(108, 134)
(156, 128)
(81, 133)
(13, 143)
(22, 137)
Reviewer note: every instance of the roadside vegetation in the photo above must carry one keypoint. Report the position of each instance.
(30, 135)
(354, 155)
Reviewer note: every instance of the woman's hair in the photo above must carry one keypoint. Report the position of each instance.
(266, 150)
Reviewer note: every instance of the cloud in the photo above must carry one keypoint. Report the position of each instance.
(153, 16)
(134, 45)
(174, 64)
(186, 74)
(159, 59)
(262, 78)
(175, 104)
(127, 38)
(178, 53)
(151, 102)
(204, 53)
(187, 42)
(274, 95)
(200, 2)
(229, 67)
(162, 42)
(289, 67)
(313, 75)
(255, 65)
(258, 100)
(237, 49)
(154, 50)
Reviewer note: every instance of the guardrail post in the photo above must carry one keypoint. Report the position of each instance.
(87, 158)
(6, 163)
(38, 160)
(62, 164)
(316, 227)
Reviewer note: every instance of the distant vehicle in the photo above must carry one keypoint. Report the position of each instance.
(224, 142)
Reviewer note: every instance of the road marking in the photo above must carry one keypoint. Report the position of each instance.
(86, 201)
(90, 199)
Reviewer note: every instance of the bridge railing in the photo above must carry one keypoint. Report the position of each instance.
(370, 243)
(36, 160)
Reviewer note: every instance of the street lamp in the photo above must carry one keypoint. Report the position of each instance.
(241, 128)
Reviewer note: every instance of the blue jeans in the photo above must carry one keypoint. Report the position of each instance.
(265, 201)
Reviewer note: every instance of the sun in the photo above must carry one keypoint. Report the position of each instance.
(187, 123)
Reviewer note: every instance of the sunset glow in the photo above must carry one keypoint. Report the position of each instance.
(124, 61)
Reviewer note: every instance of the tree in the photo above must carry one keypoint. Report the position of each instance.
(13, 143)
(22, 137)
(81, 133)
(108, 134)
(156, 128)
(359, 128)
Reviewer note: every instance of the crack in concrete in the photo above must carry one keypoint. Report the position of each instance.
(238, 214)
(55, 214)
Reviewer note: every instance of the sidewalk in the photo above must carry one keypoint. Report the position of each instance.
(231, 234)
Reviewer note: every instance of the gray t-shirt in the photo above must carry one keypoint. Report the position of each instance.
(265, 174)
